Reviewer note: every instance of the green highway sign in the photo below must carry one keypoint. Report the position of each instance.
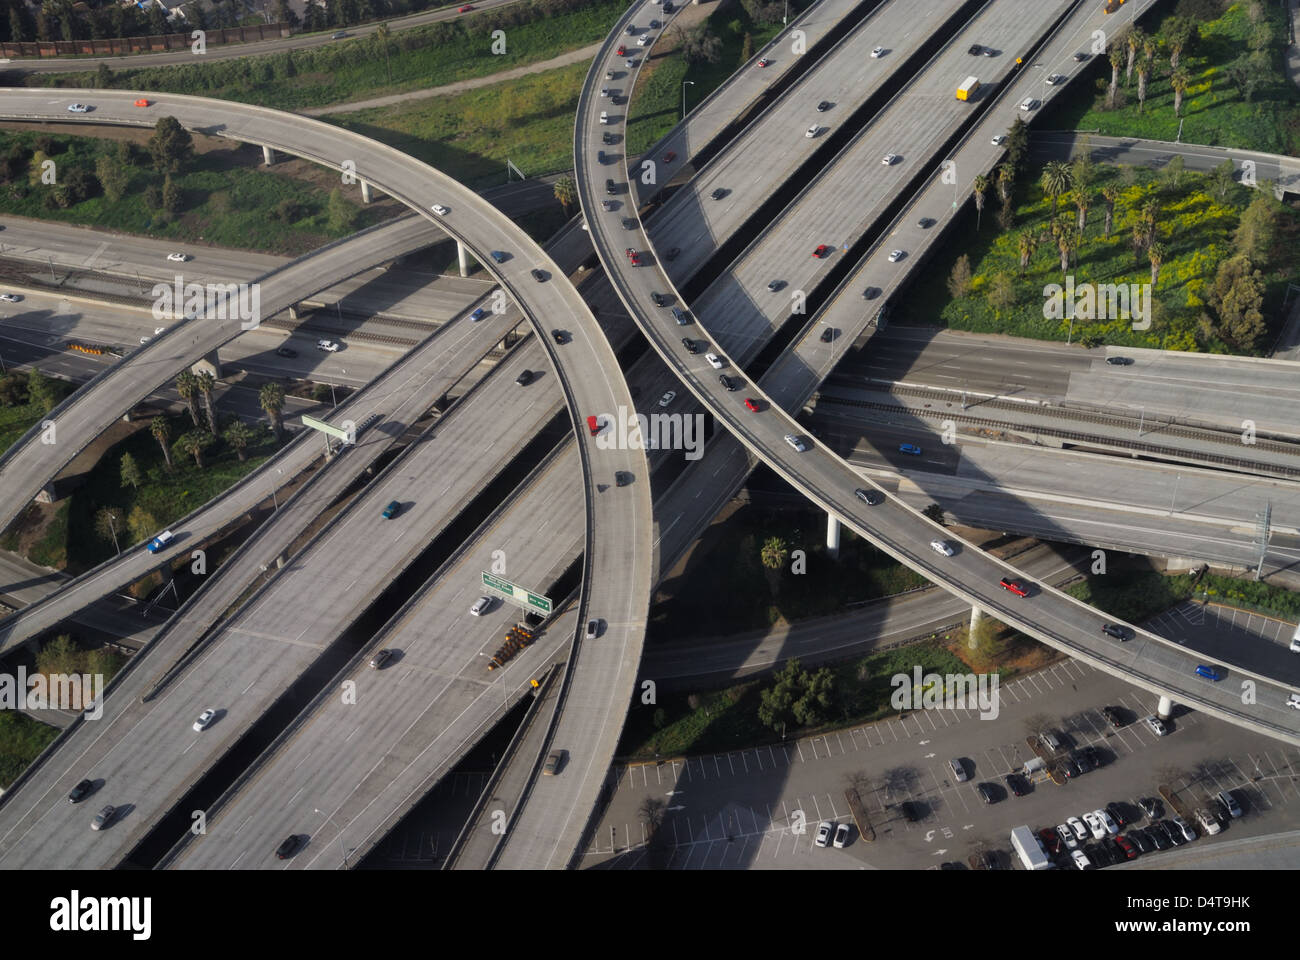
(517, 594)
(325, 428)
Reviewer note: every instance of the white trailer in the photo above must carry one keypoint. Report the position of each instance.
(1030, 849)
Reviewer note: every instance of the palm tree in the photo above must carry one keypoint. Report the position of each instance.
(1144, 72)
(1150, 217)
(1055, 181)
(773, 555)
(1067, 241)
(1082, 201)
(194, 444)
(1178, 33)
(1179, 81)
(1116, 61)
(1028, 243)
(271, 398)
(187, 385)
(1139, 240)
(980, 185)
(1156, 252)
(1006, 177)
(162, 432)
(566, 191)
(1134, 40)
(239, 435)
(1109, 193)
(206, 384)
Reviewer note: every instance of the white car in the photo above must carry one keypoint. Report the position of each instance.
(481, 606)
(1080, 831)
(643, 40)
(604, 91)
(1095, 826)
(667, 398)
(178, 257)
(1081, 861)
(1067, 837)
(1157, 725)
(1055, 78)
(999, 139)
(158, 330)
(877, 52)
(841, 836)
(942, 547)
(795, 442)
(144, 340)
(329, 346)
(439, 209)
(78, 108)
(1293, 701)
(604, 117)
(889, 159)
(823, 833)
(1028, 103)
(812, 131)
(1207, 822)
(714, 360)
(1107, 821)
(10, 297)
(896, 255)
(205, 720)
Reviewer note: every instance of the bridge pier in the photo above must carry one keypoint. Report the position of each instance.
(365, 192)
(268, 156)
(976, 618)
(833, 536)
(462, 254)
(293, 311)
(1165, 708)
(209, 364)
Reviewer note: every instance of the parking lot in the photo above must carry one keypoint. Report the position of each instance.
(761, 807)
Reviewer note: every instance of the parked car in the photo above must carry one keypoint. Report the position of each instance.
(841, 836)
(823, 833)
(1150, 806)
(1112, 716)
(1157, 725)
(1016, 784)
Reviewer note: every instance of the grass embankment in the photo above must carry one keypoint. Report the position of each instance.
(1215, 111)
(21, 741)
(353, 69)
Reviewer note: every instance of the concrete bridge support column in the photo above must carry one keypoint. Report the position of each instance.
(976, 618)
(280, 561)
(833, 536)
(268, 156)
(462, 254)
(209, 364)
(1165, 708)
(293, 311)
(365, 192)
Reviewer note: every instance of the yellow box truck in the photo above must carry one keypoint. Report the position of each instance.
(967, 90)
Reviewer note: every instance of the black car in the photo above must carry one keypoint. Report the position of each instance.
(1173, 833)
(1159, 839)
(690, 345)
(1106, 853)
(1016, 784)
(1150, 806)
(823, 106)
(1119, 361)
(1221, 814)
(1140, 840)
(925, 223)
(557, 336)
(827, 335)
(870, 293)
(608, 138)
(622, 478)
(1114, 630)
(289, 847)
(672, 253)
(975, 50)
(1070, 768)
(1081, 762)
(1092, 756)
(988, 792)
(1112, 717)
(81, 791)
(285, 352)
(776, 285)
(1118, 814)
(657, 298)
(525, 378)
(718, 194)
(870, 497)
(1093, 852)
(1080, 57)
(726, 381)
(991, 861)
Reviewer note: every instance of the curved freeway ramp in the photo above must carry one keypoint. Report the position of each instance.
(772, 435)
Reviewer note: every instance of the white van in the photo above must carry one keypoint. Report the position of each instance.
(1295, 641)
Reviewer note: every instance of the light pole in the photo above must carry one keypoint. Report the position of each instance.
(328, 818)
(504, 701)
(685, 84)
(785, 14)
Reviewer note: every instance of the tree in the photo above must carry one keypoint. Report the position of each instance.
(112, 176)
(1179, 81)
(130, 471)
(566, 191)
(1180, 33)
(746, 48)
(959, 281)
(1055, 181)
(103, 76)
(1116, 61)
(1224, 175)
(1248, 72)
(1173, 172)
(161, 429)
(187, 385)
(699, 45)
(171, 146)
(1017, 145)
(59, 656)
(980, 185)
(239, 435)
(1134, 40)
(1082, 200)
(1257, 231)
(42, 390)
(810, 709)
(1156, 254)
(1067, 242)
(774, 553)
(1006, 176)
(1001, 291)
(339, 213)
(1151, 219)
(194, 443)
(934, 512)
(1027, 243)
(1234, 299)
(171, 196)
(141, 524)
(1109, 193)
(1144, 73)
(206, 384)
(108, 521)
(271, 398)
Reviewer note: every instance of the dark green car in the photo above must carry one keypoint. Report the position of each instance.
(392, 510)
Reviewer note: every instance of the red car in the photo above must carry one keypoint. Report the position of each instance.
(593, 424)
(1051, 840)
(1018, 587)
(633, 256)
(142, 102)
(621, 51)
(669, 157)
(821, 252)
(1125, 844)
(764, 62)
(465, 9)
(751, 404)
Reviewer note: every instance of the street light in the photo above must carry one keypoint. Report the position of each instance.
(685, 84)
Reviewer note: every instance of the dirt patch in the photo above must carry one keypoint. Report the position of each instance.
(30, 528)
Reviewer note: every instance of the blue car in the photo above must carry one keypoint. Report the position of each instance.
(478, 314)
(498, 256)
(1209, 673)
(911, 448)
